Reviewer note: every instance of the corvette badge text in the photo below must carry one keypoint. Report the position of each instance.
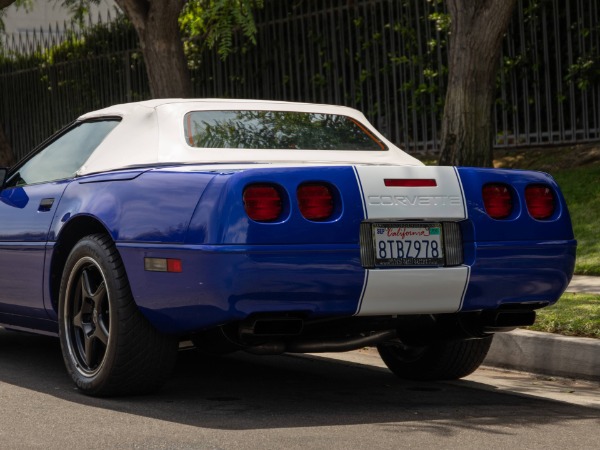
(415, 200)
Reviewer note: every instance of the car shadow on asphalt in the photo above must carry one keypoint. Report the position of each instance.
(242, 392)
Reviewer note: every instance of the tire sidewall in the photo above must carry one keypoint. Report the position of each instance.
(91, 248)
(442, 360)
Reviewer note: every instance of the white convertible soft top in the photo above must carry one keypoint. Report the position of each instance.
(152, 132)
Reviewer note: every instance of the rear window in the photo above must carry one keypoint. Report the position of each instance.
(277, 130)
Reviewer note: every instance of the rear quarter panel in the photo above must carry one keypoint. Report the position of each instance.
(518, 259)
(221, 218)
(151, 206)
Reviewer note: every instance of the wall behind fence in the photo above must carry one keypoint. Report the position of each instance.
(384, 57)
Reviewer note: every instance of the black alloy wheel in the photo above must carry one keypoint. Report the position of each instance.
(108, 346)
(87, 316)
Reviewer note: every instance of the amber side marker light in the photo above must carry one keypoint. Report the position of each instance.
(540, 200)
(497, 200)
(163, 265)
(315, 201)
(262, 202)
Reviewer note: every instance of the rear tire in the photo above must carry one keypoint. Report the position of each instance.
(449, 360)
(108, 346)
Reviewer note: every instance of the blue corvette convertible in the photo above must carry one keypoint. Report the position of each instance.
(267, 227)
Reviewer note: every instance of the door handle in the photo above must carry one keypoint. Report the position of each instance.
(46, 204)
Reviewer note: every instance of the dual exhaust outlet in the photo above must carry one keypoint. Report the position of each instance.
(283, 336)
(276, 335)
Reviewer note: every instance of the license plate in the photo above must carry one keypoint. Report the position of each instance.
(408, 244)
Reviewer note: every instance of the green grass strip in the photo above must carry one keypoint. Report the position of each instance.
(581, 188)
(573, 315)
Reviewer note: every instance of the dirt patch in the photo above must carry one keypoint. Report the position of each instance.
(549, 159)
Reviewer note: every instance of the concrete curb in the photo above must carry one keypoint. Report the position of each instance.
(547, 354)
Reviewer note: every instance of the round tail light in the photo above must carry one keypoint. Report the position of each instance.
(497, 200)
(540, 201)
(315, 201)
(262, 202)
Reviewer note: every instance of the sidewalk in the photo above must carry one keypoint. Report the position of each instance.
(547, 353)
(584, 284)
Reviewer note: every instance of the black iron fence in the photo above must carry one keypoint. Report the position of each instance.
(384, 57)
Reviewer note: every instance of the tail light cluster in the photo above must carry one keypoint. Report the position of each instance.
(498, 199)
(265, 202)
(315, 201)
(540, 201)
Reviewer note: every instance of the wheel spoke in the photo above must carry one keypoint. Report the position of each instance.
(86, 288)
(82, 317)
(101, 321)
(101, 333)
(96, 296)
(89, 350)
(77, 322)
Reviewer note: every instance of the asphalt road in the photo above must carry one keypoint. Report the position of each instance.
(290, 402)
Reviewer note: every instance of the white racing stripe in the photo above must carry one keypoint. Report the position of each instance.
(432, 290)
(413, 291)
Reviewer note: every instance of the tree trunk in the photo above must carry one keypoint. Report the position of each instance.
(6, 154)
(6, 3)
(476, 33)
(156, 24)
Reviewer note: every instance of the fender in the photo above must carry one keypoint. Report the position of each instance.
(137, 206)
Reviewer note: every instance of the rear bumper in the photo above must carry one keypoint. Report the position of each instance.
(221, 284)
(519, 272)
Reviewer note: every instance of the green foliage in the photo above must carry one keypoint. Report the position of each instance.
(585, 71)
(90, 69)
(418, 60)
(100, 39)
(441, 19)
(524, 60)
(96, 40)
(366, 54)
(79, 9)
(206, 24)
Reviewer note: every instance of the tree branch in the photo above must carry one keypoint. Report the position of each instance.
(137, 11)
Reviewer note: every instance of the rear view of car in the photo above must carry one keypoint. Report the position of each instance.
(273, 227)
